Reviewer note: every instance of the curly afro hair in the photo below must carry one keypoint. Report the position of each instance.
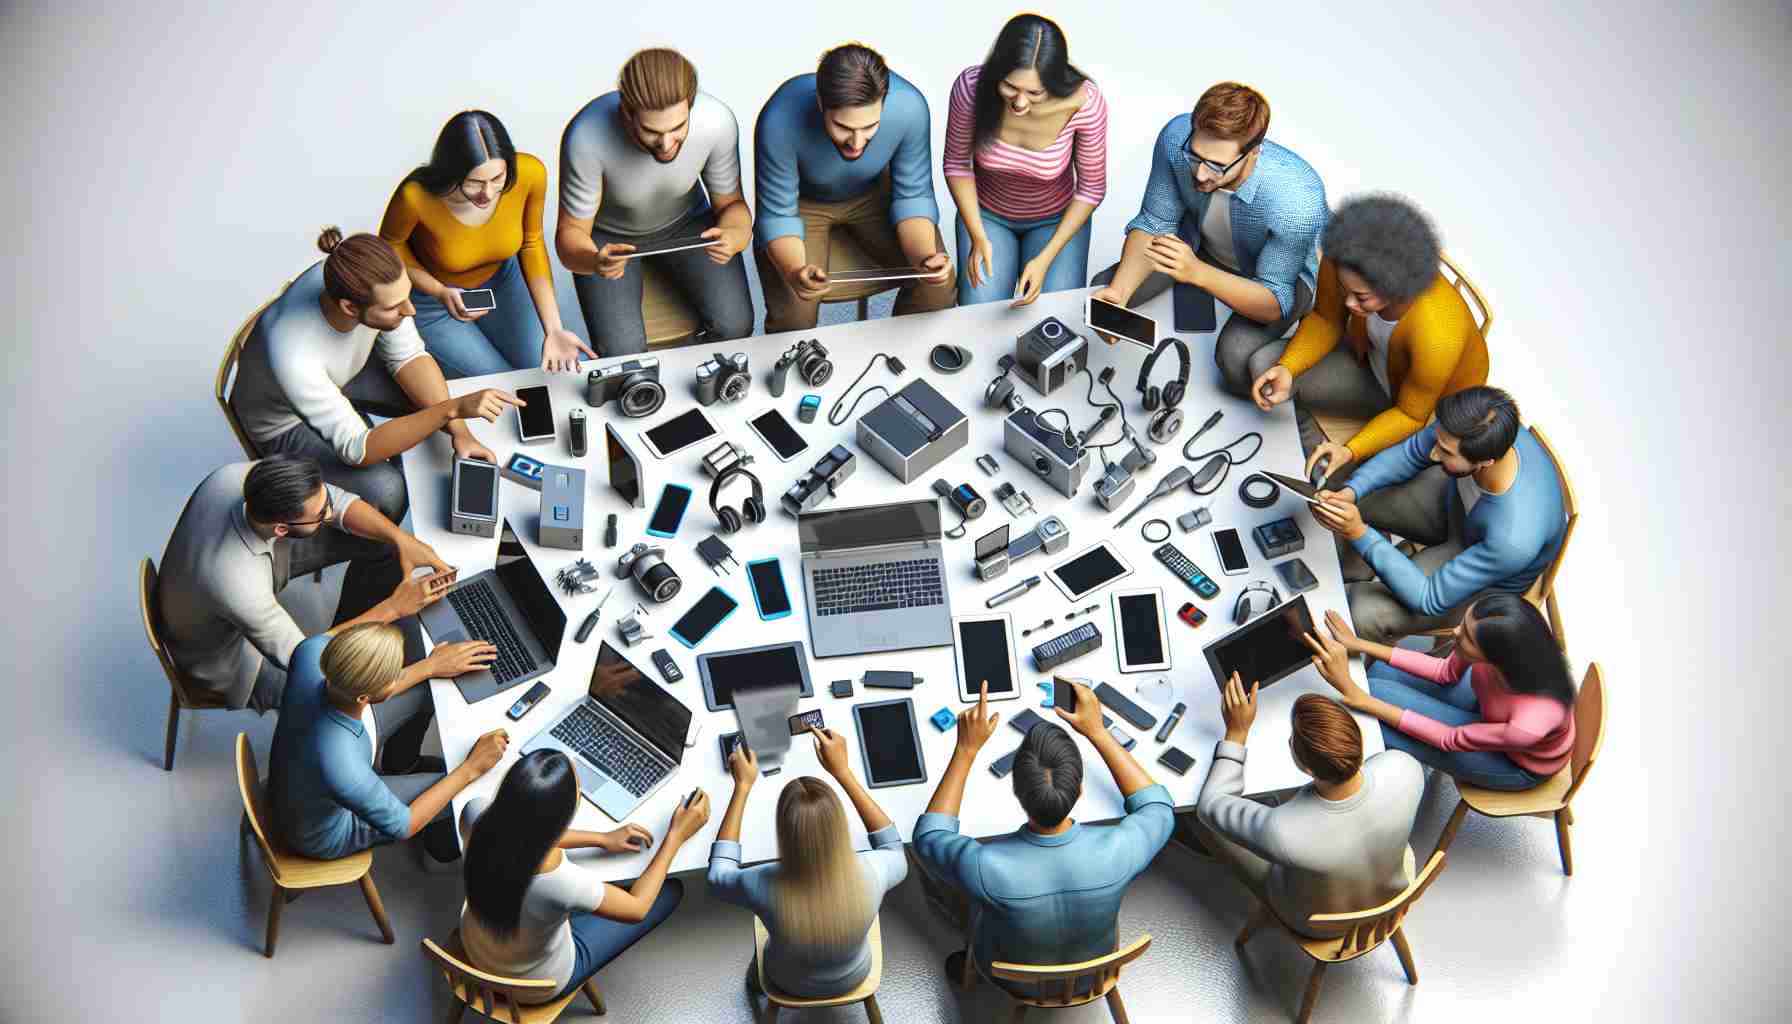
(1388, 241)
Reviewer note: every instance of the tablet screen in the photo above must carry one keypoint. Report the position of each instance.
(1265, 649)
(476, 489)
(680, 432)
(887, 735)
(988, 655)
(1088, 571)
(753, 666)
(1141, 638)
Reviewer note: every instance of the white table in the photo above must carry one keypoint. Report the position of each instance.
(989, 807)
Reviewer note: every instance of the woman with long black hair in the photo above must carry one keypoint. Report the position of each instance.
(1497, 713)
(531, 912)
(471, 219)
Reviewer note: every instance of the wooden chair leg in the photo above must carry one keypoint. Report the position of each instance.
(1563, 844)
(276, 902)
(1568, 815)
(1312, 997)
(1402, 947)
(1449, 833)
(864, 308)
(872, 1011)
(379, 909)
(595, 995)
(1259, 918)
(1116, 1007)
(455, 1011)
(173, 731)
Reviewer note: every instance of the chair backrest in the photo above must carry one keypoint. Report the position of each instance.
(489, 994)
(1477, 303)
(226, 372)
(1545, 583)
(1589, 728)
(152, 629)
(1370, 928)
(1103, 972)
(255, 801)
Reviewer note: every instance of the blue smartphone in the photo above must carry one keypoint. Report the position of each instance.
(670, 511)
(769, 595)
(702, 618)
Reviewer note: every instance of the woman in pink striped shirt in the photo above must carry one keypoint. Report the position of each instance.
(1026, 161)
(1497, 713)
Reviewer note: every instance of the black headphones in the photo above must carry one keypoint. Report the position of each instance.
(1166, 419)
(1247, 607)
(751, 511)
(1000, 392)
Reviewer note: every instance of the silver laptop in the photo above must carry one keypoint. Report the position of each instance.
(511, 606)
(874, 579)
(626, 738)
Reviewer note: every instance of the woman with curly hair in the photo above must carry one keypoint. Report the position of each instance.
(1411, 338)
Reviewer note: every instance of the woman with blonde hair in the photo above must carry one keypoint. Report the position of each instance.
(818, 899)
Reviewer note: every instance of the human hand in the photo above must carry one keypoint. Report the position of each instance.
(457, 308)
(1341, 496)
(976, 724)
(1333, 663)
(1108, 293)
(830, 750)
(1334, 455)
(448, 661)
(630, 838)
(1272, 387)
(981, 255)
(808, 281)
(487, 751)
(733, 240)
(1238, 709)
(689, 818)
(1172, 256)
(1086, 719)
(560, 350)
(486, 404)
(743, 764)
(413, 553)
(1340, 517)
(467, 447)
(1341, 631)
(938, 262)
(412, 595)
(610, 262)
(1032, 279)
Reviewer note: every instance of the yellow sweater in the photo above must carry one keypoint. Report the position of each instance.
(1435, 350)
(427, 235)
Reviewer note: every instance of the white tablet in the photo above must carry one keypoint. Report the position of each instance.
(1109, 318)
(679, 432)
(1139, 621)
(1088, 571)
(983, 647)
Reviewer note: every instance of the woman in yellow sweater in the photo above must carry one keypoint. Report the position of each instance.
(1411, 338)
(470, 219)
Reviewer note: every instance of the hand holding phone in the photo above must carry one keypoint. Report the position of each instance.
(1080, 709)
(803, 721)
(437, 582)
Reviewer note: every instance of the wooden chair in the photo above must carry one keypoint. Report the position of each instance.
(845, 253)
(182, 692)
(1367, 929)
(1102, 974)
(671, 320)
(490, 995)
(865, 993)
(1551, 798)
(222, 384)
(291, 871)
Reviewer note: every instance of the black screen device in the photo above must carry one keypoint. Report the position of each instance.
(1233, 561)
(1295, 576)
(778, 434)
(535, 420)
(704, 616)
(803, 721)
(625, 469)
(1063, 695)
(1088, 571)
(890, 743)
(1194, 312)
(1265, 649)
(670, 511)
(1025, 721)
(1140, 623)
(889, 679)
(1001, 766)
(769, 665)
(730, 742)
(1123, 706)
(986, 654)
(669, 670)
(527, 701)
(1176, 760)
(475, 299)
(679, 432)
(767, 581)
(840, 687)
(476, 490)
(1121, 322)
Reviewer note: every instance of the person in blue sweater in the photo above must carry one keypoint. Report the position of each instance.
(1049, 892)
(1476, 488)
(848, 148)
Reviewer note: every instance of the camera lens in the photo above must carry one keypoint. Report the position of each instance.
(660, 582)
(734, 387)
(817, 370)
(642, 398)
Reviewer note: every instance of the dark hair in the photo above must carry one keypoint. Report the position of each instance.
(1027, 41)
(469, 139)
(1048, 774)
(1484, 419)
(1388, 241)
(277, 487)
(533, 806)
(1517, 640)
(1326, 738)
(851, 76)
(356, 264)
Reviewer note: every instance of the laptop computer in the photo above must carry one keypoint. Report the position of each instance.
(511, 606)
(873, 578)
(625, 738)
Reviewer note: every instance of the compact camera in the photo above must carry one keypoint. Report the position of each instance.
(812, 364)
(821, 481)
(651, 573)
(633, 384)
(1049, 355)
(724, 379)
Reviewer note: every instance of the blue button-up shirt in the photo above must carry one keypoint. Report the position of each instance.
(793, 157)
(1277, 212)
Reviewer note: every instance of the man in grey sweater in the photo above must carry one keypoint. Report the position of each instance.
(1340, 844)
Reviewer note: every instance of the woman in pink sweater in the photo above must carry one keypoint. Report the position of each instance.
(1497, 713)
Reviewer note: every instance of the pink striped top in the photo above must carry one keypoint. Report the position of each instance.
(1028, 184)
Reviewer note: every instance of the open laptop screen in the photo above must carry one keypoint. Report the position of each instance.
(530, 592)
(646, 706)
(843, 528)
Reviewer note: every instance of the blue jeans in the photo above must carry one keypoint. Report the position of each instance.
(1451, 705)
(598, 940)
(718, 291)
(1012, 243)
(507, 338)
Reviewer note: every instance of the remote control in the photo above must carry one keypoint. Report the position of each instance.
(1123, 706)
(1186, 570)
(1062, 648)
(668, 668)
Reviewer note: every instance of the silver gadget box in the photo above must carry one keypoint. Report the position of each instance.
(913, 431)
(562, 508)
(1044, 450)
(473, 499)
(1049, 355)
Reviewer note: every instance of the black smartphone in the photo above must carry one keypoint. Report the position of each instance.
(803, 721)
(702, 617)
(476, 299)
(534, 420)
(769, 594)
(1194, 312)
(1063, 695)
(778, 434)
(1233, 561)
(731, 741)
(527, 701)
(670, 511)
(1175, 760)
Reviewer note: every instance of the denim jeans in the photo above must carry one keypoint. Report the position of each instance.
(1452, 705)
(598, 940)
(1012, 243)
(506, 338)
(612, 309)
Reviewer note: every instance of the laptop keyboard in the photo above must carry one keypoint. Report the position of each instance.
(608, 747)
(484, 618)
(879, 587)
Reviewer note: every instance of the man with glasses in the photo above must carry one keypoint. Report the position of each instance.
(249, 528)
(1232, 214)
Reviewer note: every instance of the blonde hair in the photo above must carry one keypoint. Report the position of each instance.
(361, 661)
(822, 896)
(656, 79)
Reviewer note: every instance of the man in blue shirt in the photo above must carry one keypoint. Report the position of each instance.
(1233, 215)
(1050, 892)
(326, 799)
(1477, 488)
(848, 148)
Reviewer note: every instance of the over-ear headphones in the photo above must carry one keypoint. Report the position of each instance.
(752, 510)
(1248, 607)
(1000, 392)
(1166, 419)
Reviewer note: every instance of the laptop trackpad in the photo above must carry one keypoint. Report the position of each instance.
(453, 636)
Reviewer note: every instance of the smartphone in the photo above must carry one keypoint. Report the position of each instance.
(527, 701)
(1063, 694)
(678, 433)
(731, 741)
(476, 299)
(1231, 552)
(778, 434)
(1121, 322)
(670, 511)
(769, 595)
(703, 617)
(803, 721)
(1175, 760)
(535, 419)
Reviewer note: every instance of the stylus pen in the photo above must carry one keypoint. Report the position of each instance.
(1171, 722)
(1012, 592)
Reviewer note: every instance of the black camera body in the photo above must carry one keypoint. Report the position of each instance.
(821, 481)
(1049, 354)
(810, 358)
(633, 384)
(724, 379)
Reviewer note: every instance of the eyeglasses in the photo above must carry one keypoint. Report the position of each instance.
(1221, 170)
(323, 517)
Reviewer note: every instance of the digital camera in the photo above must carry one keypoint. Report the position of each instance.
(812, 364)
(724, 379)
(634, 384)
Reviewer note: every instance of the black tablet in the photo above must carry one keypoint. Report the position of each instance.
(1266, 648)
(889, 743)
(770, 664)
